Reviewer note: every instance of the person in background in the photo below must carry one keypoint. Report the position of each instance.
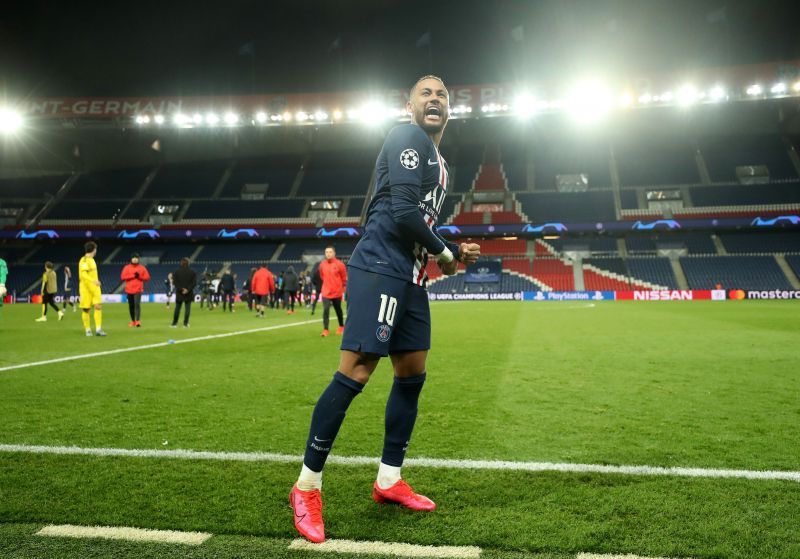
(89, 287)
(228, 287)
(3, 277)
(134, 275)
(68, 297)
(291, 284)
(185, 281)
(49, 290)
(316, 285)
(169, 287)
(277, 300)
(247, 290)
(215, 292)
(263, 284)
(334, 282)
(205, 289)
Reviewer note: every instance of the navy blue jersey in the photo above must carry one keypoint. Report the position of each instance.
(411, 181)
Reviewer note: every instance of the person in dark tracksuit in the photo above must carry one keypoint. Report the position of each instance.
(316, 282)
(290, 287)
(185, 280)
(227, 286)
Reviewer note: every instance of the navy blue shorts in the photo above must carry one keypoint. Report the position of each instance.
(385, 315)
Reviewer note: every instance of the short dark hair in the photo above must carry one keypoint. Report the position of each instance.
(425, 77)
(184, 262)
(134, 255)
(331, 246)
(89, 247)
(48, 265)
(263, 264)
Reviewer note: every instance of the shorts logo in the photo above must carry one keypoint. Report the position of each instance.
(383, 333)
(409, 158)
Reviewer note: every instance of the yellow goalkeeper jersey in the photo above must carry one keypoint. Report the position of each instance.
(87, 271)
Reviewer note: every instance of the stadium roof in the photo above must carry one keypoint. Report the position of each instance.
(213, 48)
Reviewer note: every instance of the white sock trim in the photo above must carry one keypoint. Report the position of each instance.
(309, 479)
(388, 475)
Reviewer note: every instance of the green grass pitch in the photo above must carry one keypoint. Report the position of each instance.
(694, 384)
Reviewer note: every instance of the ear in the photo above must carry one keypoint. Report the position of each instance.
(410, 110)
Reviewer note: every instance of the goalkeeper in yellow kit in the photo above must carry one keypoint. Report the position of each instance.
(90, 290)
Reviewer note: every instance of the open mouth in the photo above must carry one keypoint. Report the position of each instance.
(433, 113)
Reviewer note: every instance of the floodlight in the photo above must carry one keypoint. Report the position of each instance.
(197, 118)
(588, 102)
(645, 99)
(524, 105)
(231, 119)
(337, 115)
(321, 115)
(754, 89)
(212, 119)
(778, 89)
(687, 95)
(261, 117)
(181, 119)
(301, 116)
(10, 121)
(158, 119)
(142, 119)
(625, 100)
(717, 94)
(796, 87)
(287, 116)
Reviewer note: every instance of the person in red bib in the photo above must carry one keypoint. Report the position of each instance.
(134, 275)
(262, 286)
(334, 281)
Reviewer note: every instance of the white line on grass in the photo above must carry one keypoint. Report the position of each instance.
(123, 533)
(421, 462)
(388, 548)
(151, 346)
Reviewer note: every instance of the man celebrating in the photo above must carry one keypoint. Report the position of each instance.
(134, 275)
(334, 279)
(388, 311)
(90, 291)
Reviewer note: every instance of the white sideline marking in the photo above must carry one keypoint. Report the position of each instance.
(421, 462)
(151, 346)
(388, 548)
(123, 533)
(604, 556)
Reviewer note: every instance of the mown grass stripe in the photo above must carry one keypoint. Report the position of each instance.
(420, 462)
(152, 346)
(123, 533)
(387, 548)
(605, 556)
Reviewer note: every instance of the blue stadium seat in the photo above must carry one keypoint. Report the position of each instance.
(117, 183)
(761, 242)
(724, 153)
(237, 252)
(653, 160)
(186, 180)
(568, 206)
(745, 194)
(653, 270)
(569, 156)
(96, 209)
(278, 172)
(35, 187)
(734, 272)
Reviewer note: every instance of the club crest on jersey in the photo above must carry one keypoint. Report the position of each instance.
(383, 333)
(409, 158)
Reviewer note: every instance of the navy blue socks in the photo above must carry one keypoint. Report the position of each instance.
(401, 414)
(327, 419)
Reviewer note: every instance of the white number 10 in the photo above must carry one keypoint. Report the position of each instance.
(388, 308)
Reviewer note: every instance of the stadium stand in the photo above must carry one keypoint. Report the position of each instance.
(650, 160)
(277, 172)
(237, 252)
(568, 206)
(739, 272)
(117, 183)
(569, 155)
(33, 187)
(745, 194)
(654, 270)
(339, 173)
(21, 277)
(754, 243)
(186, 180)
(202, 210)
(724, 153)
(794, 263)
